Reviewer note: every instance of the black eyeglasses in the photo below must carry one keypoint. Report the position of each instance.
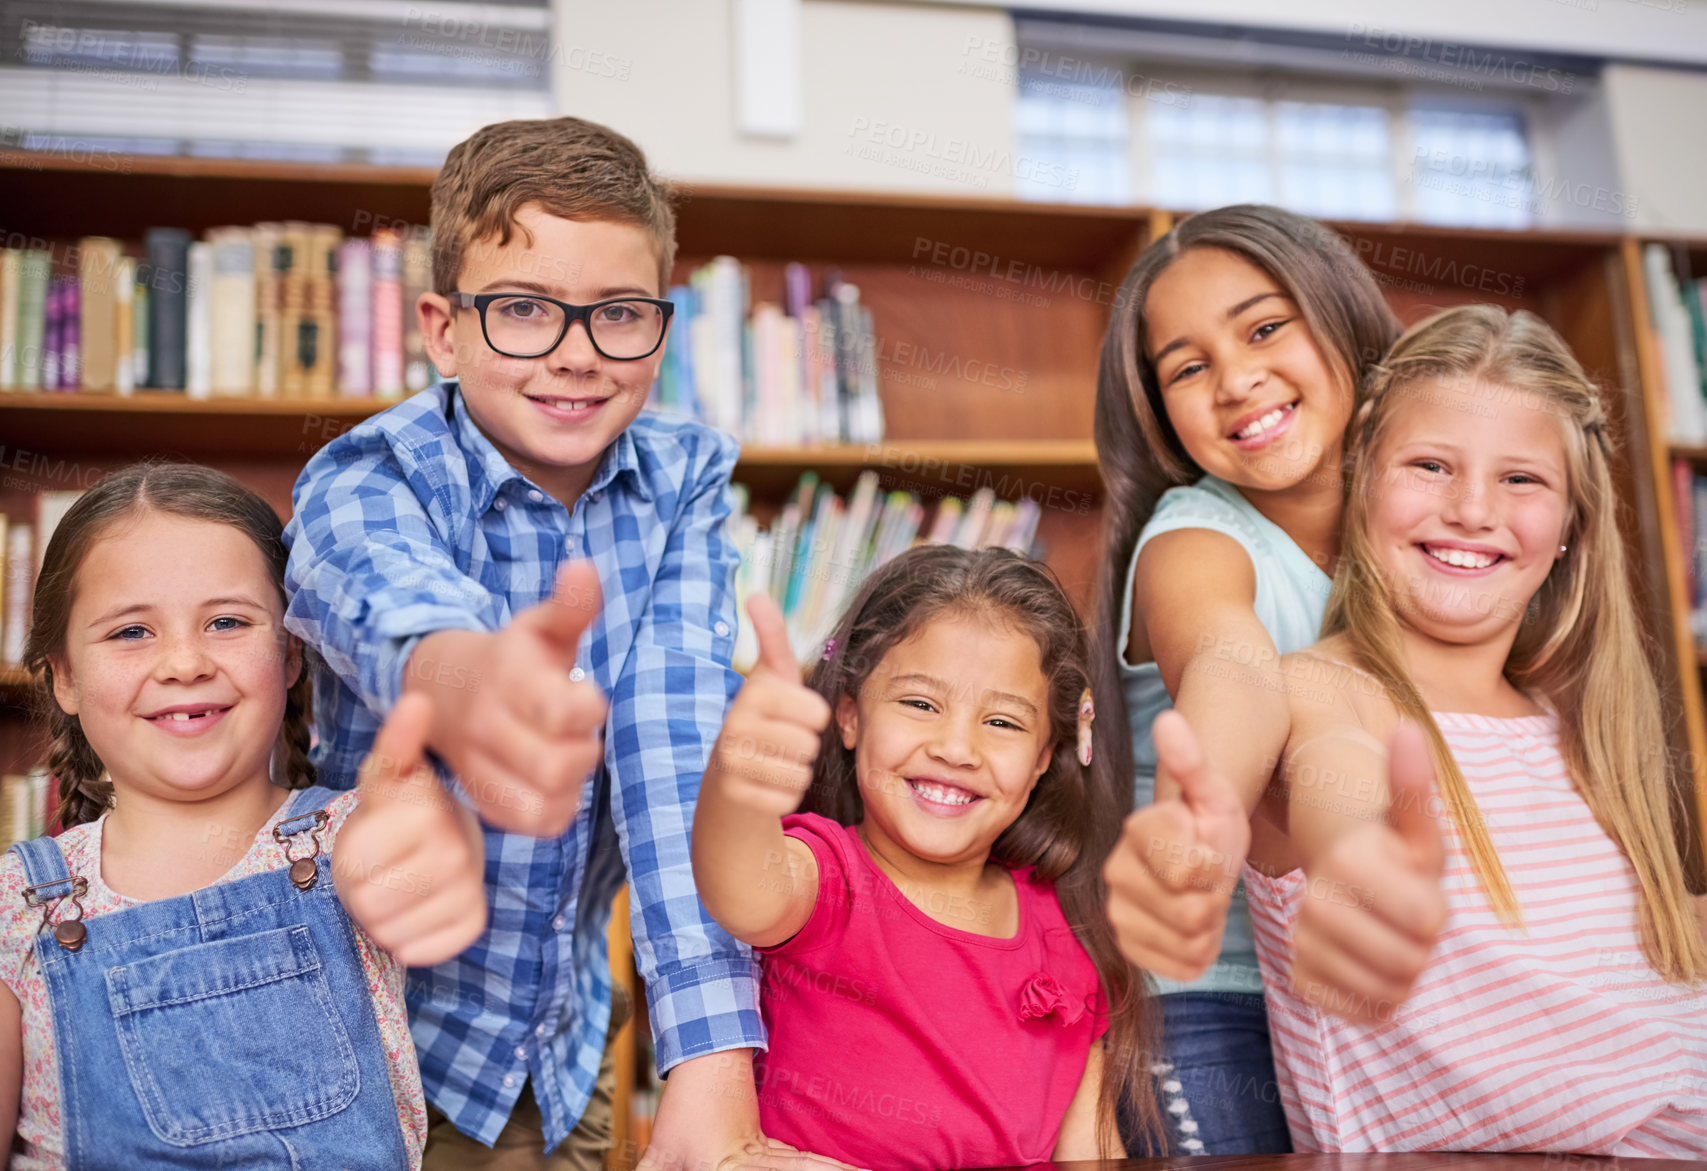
(518, 325)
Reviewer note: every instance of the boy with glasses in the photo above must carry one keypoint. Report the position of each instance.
(518, 543)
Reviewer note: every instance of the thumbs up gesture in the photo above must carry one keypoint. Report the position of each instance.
(1171, 876)
(525, 735)
(408, 861)
(763, 757)
(1374, 908)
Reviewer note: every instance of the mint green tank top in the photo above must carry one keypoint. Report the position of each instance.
(1291, 595)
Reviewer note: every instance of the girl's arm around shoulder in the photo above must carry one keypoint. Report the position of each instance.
(1362, 826)
(758, 883)
(1193, 601)
(1332, 776)
(1084, 1134)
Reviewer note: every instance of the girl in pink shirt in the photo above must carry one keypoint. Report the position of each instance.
(940, 985)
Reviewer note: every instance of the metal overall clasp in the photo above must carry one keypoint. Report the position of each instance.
(68, 933)
(303, 874)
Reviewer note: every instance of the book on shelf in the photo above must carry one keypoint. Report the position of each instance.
(231, 292)
(19, 574)
(97, 276)
(814, 556)
(28, 803)
(386, 332)
(23, 542)
(418, 371)
(356, 263)
(800, 372)
(167, 276)
(198, 327)
(275, 309)
(1689, 496)
(1675, 312)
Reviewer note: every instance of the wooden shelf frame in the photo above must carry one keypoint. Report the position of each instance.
(1679, 642)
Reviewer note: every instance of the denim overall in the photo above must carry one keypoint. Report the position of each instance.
(230, 1027)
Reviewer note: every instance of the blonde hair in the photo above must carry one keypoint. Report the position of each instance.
(1579, 647)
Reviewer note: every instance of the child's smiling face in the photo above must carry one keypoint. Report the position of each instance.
(950, 734)
(1245, 386)
(1469, 503)
(551, 417)
(176, 662)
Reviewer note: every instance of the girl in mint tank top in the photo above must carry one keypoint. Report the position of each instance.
(1231, 366)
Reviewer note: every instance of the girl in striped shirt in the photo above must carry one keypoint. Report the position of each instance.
(1515, 964)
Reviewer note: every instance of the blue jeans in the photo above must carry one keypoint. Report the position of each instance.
(230, 1027)
(1215, 1084)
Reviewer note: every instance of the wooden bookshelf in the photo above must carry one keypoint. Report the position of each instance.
(1671, 577)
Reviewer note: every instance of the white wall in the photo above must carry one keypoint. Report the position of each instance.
(1654, 30)
(1659, 131)
(888, 103)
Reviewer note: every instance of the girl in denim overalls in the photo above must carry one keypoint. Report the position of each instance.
(181, 984)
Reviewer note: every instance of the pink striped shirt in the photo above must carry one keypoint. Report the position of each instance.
(1558, 1037)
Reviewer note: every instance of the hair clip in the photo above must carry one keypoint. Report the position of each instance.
(1087, 716)
(829, 649)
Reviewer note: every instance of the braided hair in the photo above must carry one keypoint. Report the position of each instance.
(184, 490)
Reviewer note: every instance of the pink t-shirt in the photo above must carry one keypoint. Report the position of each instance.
(898, 1041)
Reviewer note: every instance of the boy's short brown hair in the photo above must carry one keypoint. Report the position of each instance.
(572, 168)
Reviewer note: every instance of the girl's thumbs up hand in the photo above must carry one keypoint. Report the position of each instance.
(1373, 908)
(763, 757)
(1171, 877)
(409, 859)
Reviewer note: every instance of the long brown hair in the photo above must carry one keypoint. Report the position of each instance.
(185, 490)
(1070, 823)
(1580, 646)
(1138, 452)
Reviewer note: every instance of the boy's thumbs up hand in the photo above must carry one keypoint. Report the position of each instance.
(1374, 908)
(763, 757)
(524, 738)
(559, 621)
(408, 861)
(1172, 874)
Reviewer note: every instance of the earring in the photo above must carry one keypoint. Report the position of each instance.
(1561, 548)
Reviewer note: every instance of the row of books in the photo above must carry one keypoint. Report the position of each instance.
(1675, 307)
(28, 803)
(801, 372)
(814, 557)
(1689, 489)
(285, 309)
(22, 542)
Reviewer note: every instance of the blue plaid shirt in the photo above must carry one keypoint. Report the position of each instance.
(413, 522)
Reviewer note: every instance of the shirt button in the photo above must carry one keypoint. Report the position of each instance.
(535, 495)
(509, 1080)
(522, 1052)
(722, 629)
(500, 504)
(557, 923)
(540, 1030)
(568, 544)
(576, 675)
